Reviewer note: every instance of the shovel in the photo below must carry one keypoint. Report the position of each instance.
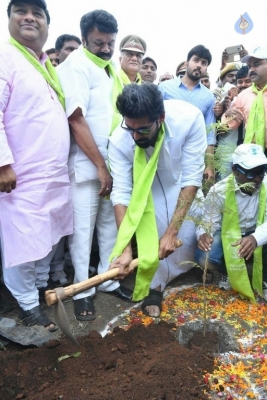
(56, 296)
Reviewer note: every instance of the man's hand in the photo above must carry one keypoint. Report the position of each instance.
(105, 180)
(204, 242)
(122, 262)
(225, 57)
(233, 92)
(208, 173)
(234, 113)
(7, 179)
(167, 243)
(247, 245)
(218, 109)
(226, 102)
(243, 52)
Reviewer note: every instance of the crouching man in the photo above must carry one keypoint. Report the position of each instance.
(157, 161)
(234, 224)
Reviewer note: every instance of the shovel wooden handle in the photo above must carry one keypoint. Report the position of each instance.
(70, 291)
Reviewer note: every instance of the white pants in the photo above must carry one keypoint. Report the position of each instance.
(91, 211)
(58, 261)
(24, 279)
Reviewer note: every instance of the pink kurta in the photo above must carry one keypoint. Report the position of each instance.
(34, 139)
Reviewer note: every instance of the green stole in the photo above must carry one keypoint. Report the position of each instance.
(256, 121)
(126, 80)
(117, 85)
(49, 73)
(236, 267)
(140, 219)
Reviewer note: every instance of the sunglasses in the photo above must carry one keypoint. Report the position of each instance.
(142, 131)
(252, 174)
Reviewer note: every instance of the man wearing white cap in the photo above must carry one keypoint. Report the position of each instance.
(132, 49)
(251, 104)
(234, 214)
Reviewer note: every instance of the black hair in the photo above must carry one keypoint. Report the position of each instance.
(200, 51)
(99, 19)
(39, 4)
(50, 51)
(138, 101)
(65, 38)
(151, 60)
(242, 72)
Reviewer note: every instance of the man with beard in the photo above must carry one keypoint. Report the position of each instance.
(91, 87)
(157, 160)
(250, 105)
(189, 88)
(148, 70)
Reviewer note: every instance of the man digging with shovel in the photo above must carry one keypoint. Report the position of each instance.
(157, 161)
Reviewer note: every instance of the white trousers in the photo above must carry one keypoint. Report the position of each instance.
(58, 261)
(24, 279)
(91, 211)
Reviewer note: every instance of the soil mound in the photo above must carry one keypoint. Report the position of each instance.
(142, 363)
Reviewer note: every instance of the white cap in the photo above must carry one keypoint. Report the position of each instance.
(259, 52)
(249, 156)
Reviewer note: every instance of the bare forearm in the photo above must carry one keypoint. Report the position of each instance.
(186, 198)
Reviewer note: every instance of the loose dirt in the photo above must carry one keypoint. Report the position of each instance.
(141, 363)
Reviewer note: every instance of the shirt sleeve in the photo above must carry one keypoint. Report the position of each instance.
(6, 156)
(76, 87)
(210, 119)
(121, 171)
(193, 152)
(211, 220)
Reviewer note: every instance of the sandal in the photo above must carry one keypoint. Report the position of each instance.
(85, 304)
(36, 316)
(153, 299)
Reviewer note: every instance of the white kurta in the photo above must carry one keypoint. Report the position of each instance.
(181, 164)
(34, 139)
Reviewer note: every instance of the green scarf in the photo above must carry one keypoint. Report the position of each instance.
(236, 267)
(256, 121)
(126, 80)
(117, 86)
(140, 219)
(49, 73)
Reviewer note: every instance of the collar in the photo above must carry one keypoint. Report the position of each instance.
(180, 83)
(43, 57)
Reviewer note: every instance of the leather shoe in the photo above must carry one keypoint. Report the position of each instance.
(122, 292)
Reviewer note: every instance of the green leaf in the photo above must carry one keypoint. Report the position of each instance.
(74, 355)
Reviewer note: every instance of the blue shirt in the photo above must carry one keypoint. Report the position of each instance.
(199, 96)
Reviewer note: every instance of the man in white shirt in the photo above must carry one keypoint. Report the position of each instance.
(88, 80)
(172, 136)
(249, 168)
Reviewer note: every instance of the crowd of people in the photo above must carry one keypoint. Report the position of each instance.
(107, 156)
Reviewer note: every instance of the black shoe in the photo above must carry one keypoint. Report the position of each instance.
(122, 292)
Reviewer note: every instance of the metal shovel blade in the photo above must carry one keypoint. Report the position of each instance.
(61, 317)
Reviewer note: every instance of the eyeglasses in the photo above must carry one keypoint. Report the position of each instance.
(142, 131)
(252, 174)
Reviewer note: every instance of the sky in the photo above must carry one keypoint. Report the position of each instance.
(169, 27)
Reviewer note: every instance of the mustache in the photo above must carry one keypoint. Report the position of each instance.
(103, 55)
(252, 74)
